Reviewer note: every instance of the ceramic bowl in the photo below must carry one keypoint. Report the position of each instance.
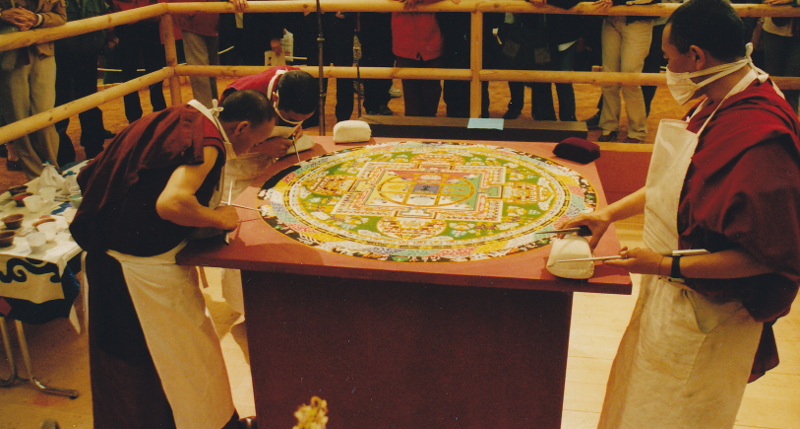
(75, 200)
(20, 197)
(16, 190)
(34, 203)
(37, 241)
(48, 193)
(13, 221)
(7, 238)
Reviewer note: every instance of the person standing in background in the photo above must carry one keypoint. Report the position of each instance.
(76, 61)
(455, 28)
(201, 47)
(375, 35)
(417, 43)
(781, 41)
(140, 45)
(28, 80)
(626, 42)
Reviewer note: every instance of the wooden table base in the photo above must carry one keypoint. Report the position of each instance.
(406, 355)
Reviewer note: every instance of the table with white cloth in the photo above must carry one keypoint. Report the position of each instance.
(37, 287)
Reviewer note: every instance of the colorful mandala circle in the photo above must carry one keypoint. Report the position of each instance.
(425, 202)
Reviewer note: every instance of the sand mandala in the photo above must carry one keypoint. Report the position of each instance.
(425, 202)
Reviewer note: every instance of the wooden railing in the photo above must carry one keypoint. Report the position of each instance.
(475, 74)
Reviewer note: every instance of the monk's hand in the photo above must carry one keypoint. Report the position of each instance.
(637, 260)
(597, 222)
(275, 147)
(228, 218)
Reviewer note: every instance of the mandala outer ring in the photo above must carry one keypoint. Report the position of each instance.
(343, 202)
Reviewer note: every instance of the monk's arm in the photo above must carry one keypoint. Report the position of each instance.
(178, 203)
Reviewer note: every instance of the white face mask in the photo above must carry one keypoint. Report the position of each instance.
(683, 88)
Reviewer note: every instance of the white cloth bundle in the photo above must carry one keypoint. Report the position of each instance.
(570, 247)
(351, 132)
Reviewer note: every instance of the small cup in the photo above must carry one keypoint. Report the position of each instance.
(48, 227)
(34, 203)
(75, 200)
(7, 238)
(37, 241)
(13, 221)
(48, 193)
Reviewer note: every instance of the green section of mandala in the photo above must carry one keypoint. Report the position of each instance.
(415, 201)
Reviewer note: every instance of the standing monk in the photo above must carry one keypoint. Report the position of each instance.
(156, 360)
(724, 180)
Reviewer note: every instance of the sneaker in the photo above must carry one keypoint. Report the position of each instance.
(631, 140)
(610, 137)
(593, 123)
(395, 92)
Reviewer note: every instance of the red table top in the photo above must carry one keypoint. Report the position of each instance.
(256, 246)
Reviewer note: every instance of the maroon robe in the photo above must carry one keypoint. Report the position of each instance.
(742, 189)
(120, 189)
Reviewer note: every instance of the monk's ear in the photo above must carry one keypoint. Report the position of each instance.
(699, 56)
(241, 128)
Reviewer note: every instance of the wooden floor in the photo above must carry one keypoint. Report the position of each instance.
(60, 357)
(60, 354)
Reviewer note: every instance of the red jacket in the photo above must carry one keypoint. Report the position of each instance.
(416, 35)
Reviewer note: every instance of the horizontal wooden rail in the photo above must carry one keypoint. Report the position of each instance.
(30, 124)
(591, 78)
(335, 72)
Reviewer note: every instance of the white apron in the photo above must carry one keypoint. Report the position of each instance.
(180, 334)
(684, 360)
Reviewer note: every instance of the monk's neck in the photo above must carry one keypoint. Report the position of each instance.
(719, 89)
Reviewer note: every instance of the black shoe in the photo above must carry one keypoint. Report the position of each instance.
(385, 111)
(3, 151)
(512, 114)
(108, 134)
(372, 113)
(593, 122)
(610, 137)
